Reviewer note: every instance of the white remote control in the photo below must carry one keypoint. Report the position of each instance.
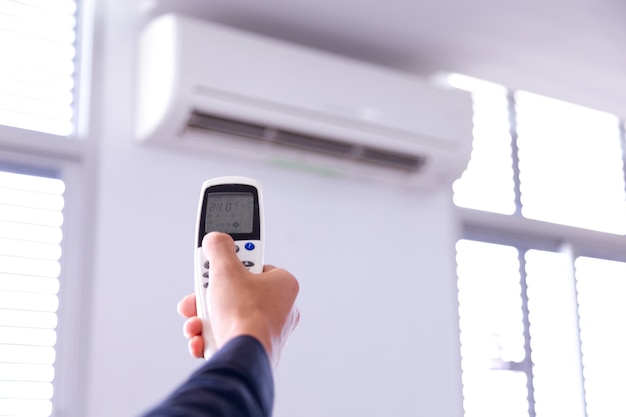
(232, 205)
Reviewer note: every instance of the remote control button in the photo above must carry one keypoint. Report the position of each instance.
(249, 246)
(205, 275)
(206, 285)
(236, 248)
(248, 264)
(206, 264)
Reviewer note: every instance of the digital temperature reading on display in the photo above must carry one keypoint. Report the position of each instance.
(230, 212)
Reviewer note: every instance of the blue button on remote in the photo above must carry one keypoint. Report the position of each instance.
(249, 246)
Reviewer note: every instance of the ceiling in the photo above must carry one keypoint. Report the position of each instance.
(569, 49)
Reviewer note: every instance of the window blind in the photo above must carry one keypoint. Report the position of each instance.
(37, 40)
(31, 217)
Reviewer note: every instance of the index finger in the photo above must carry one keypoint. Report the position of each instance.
(187, 306)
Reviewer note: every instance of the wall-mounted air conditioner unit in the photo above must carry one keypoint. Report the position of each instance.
(210, 87)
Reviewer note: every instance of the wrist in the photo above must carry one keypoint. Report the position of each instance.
(250, 330)
(254, 332)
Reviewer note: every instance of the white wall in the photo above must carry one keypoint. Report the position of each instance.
(379, 330)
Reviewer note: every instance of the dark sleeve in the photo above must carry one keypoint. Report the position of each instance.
(236, 382)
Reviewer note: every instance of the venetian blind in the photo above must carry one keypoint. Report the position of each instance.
(30, 250)
(37, 70)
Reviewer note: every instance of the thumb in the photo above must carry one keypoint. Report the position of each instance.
(219, 248)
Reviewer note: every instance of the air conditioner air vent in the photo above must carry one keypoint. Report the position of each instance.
(313, 143)
(227, 126)
(398, 160)
(316, 144)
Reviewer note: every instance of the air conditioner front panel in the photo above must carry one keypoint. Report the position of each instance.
(245, 87)
(270, 70)
(280, 116)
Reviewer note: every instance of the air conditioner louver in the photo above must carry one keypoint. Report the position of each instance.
(237, 129)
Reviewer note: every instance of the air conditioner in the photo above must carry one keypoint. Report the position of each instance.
(216, 89)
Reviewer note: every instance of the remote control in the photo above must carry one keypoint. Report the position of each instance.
(232, 205)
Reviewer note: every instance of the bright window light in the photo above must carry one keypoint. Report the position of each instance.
(555, 326)
(601, 287)
(37, 39)
(557, 376)
(487, 183)
(492, 330)
(30, 250)
(571, 164)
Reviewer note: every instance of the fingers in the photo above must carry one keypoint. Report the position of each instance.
(196, 347)
(192, 327)
(192, 330)
(187, 306)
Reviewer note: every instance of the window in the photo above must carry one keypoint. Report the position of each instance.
(31, 217)
(543, 259)
(43, 200)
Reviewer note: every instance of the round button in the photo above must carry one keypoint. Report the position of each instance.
(249, 246)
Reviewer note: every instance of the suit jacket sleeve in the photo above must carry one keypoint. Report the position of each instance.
(236, 382)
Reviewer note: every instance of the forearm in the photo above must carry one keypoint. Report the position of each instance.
(236, 382)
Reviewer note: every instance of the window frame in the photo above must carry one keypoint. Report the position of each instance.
(73, 158)
(585, 242)
(526, 234)
(74, 306)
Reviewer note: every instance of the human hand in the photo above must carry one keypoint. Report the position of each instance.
(242, 303)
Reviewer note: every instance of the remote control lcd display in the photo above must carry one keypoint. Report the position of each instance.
(229, 212)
